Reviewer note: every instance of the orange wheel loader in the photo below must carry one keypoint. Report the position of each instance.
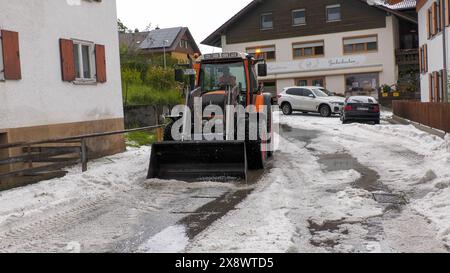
(222, 80)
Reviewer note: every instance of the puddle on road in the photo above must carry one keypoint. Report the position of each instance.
(409, 154)
(206, 215)
(389, 198)
(369, 179)
(299, 134)
(327, 226)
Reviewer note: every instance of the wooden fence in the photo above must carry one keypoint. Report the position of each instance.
(435, 115)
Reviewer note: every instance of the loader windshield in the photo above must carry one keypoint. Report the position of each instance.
(220, 76)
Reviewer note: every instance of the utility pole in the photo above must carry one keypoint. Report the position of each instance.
(165, 42)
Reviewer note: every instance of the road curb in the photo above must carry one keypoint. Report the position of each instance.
(399, 120)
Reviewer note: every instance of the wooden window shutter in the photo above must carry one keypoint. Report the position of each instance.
(447, 13)
(442, 74)
(430, 87)
(425, 57)
(67, 60)
(428, 24)
(421, 59)
(436, 86)
(11, 55)
(434, 17)
(100, 63)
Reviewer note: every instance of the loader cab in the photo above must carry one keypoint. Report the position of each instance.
(222, 71)
(218, 76)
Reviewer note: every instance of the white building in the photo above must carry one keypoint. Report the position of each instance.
(434, 22)
(346, 46)
(60, 71)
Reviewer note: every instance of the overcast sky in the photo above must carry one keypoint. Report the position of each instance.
(201, 16)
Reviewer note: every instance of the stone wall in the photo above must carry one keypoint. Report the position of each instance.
(144, 115)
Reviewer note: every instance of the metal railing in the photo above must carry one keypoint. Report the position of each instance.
(70, 151)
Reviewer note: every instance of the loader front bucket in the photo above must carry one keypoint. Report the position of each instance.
(194, 160)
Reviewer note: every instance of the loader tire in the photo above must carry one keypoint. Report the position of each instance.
(255, 159)
(270, 143)
(254, 155)
(168, 132)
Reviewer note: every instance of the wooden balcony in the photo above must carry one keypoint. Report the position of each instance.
(407, 56)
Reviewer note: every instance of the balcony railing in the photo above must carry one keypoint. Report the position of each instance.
(407, 56)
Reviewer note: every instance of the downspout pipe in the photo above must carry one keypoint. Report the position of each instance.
(444, 51)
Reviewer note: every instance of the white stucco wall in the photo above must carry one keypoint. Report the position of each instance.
(41, 97)
(283, 83)
(336, 83)
(382, 61)
(435, 51)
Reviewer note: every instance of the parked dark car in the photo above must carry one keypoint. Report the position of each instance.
(361, 109)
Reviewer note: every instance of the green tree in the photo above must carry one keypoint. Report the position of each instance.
(159, 78)
(121, 26)
(129, 77)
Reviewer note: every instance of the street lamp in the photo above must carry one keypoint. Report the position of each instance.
(257, 52)
(165, 42)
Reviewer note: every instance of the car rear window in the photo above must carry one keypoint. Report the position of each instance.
(362, 100)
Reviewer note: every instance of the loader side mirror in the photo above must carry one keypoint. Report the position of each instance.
(262, 70)
(179, 75)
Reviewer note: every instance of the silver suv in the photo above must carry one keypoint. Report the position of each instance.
(309, 99)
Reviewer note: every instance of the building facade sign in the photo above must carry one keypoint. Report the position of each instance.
(317, 64)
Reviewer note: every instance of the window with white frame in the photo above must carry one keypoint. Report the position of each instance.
(299, 17)
(266, 21)
(84, 56)
(333, 13)
(184, 44)
(2, 68)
